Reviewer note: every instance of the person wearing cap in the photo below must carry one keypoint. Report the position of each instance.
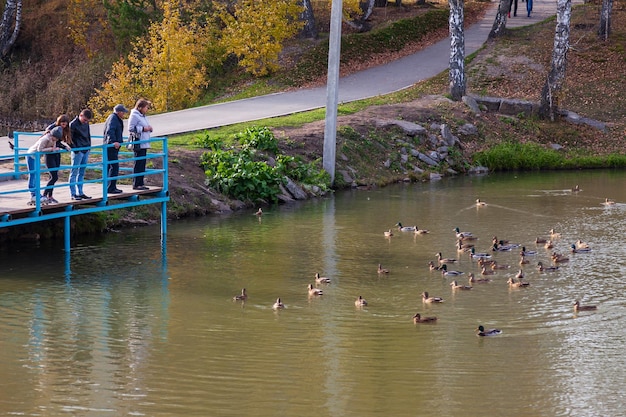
(113, 129)
(49, 142)
(81, 141)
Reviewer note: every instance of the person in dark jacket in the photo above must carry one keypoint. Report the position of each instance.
(81, 138)
(113, 128)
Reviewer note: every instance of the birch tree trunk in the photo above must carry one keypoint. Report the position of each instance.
(10, 25)
(499, 23)
(457, 50)
(605, 19)
(309, 30)
(550, 93)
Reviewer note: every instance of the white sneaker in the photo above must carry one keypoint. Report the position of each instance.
(51, 200)
(44, 200)
(32, 201)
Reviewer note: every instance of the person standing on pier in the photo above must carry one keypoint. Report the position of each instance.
(138, 122)
(81, 138)
(49, 142)
(113, 128)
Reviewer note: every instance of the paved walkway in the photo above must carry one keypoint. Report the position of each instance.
(372, 82)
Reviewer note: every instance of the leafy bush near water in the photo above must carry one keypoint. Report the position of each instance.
(242, 172)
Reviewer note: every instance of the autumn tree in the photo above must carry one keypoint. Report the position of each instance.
(167, 67)
(548, 107)
(10, 25)
(499, 22)
(130, 19)
(255, 32)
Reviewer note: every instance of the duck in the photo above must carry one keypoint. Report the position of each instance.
(473, 280)
(321, 280)
(523, 260)
(419, 231)
(542, 268)
(463, 247)
(278, 305)
(496, 265)
(500, 241)
(443, 260)
(388, 233)
(480, 203)
(405, 228)
(479, 255)
(608, 202)
(241, 297)
(554, 235)
(485, 262)
(500, 248)
(259, 212)
(574, 249)
(451, 273)
(480, 331)
(427, 299)
(360, 302)
(576, 188)
(528, 252)
(517, 284)
(540, 240)
(578, 307)
(549, 244)
(433, 267)
(456, 286)
(581, 245)
(314, 291)
(464, 235)
(558, 258)
(382, 270)
(520, 274)
(485, 271)
(417, 318)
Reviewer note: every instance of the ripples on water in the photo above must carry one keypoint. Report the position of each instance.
(121, 331)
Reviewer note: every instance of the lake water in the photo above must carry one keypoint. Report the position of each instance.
(129, 330)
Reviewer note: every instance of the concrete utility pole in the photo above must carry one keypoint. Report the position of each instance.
(332, 89)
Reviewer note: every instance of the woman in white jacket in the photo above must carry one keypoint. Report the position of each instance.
(138, 122)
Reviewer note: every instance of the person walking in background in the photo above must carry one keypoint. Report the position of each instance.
(49, 142)
(138, 122)
(81, 138)
(529, 6)
(513, 4)
(113, 128)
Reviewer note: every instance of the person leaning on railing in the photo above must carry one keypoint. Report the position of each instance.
(49, 142)
(138, 122)
(113, 129)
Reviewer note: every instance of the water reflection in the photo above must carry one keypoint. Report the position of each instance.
(128, 331)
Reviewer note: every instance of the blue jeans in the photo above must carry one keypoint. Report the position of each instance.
(529, 6)
(77, 172)
(32, 177)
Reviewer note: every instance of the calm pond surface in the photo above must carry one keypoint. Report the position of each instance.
(127, 331)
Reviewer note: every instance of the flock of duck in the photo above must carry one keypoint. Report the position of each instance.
(465, 244)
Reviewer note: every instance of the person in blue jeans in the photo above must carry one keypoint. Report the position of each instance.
(48, 143)
(81, 138)
(529, 6)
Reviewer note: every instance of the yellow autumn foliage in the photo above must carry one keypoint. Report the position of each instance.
(257, 30)
(166, 68)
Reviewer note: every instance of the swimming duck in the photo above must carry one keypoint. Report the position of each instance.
(496, 265)
(405, 228)
(433, 267)
(574, 249)
(549, 244)
(578, 307)
(427, 299)
(554, 234)
(419, 231)
(321, 280)
(473, 280)
(382, 270)
(523, 260)
(485, 271)
(499, 248)
(443, 260)
(388, 233)
(464, 235)
(581, 245)
(500, 241)
(278, 305)
(241, 297)
(360, 302)
(608, 202)
(542, 268)
(517, 284)
(417, 318)
(480, 331)
(463, 247)
(314, 291)
(485, 262)
(480, 203)
(259, 212)
(540, 240)
(575, 188)
(456, 286)
(479, 255)
(558, 258)
(528, 252)
(451, 273)
(520, 274)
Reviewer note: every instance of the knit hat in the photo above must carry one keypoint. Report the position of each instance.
(120, 107)
(57, 132)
